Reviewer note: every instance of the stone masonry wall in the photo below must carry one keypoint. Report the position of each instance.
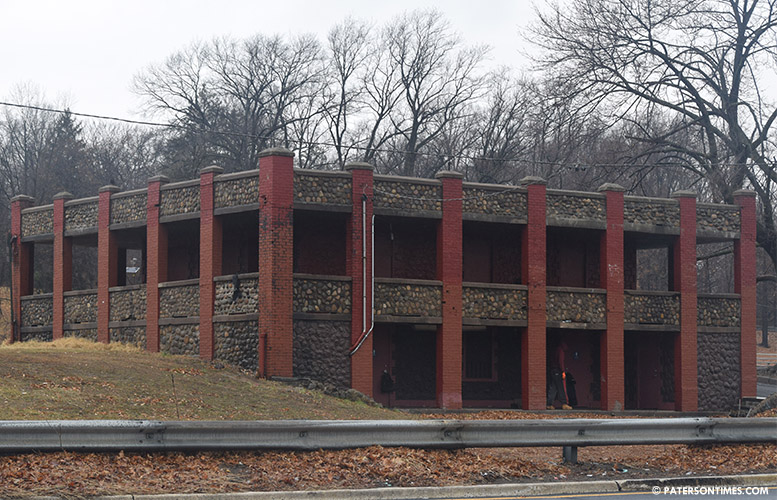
(176, 201)
(135, 336)
(179, 301)
(648, 212)
(395, 299)
(322, 296)
(46, 336)
(180, 339)
(130, 208)
(576, 307)
(564, 206)
(88, 334)
(81, 216)
(235, 192)
(407, 195)
(246, 302)
(718, 368)
(510, 203)
(719, 218)
(81, 308)
(323, 189)
(38, 222)
(321, 351)
(129, 304)
(38, 311)
(237, 343)
(649, 309)
(718, 311)
(494, 303)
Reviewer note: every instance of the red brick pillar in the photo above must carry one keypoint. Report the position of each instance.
(21, 270)
(612, 279)
(744, 285)
(359, 263)
(107, 262)
(276, 239)
(210, 258)
(156, 260)
(686, 385)
(533, 265)
(449, 271)
(63, 264)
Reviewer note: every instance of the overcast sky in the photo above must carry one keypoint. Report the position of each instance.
(87, 51)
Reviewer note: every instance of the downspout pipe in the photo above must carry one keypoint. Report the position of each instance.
(365, 332)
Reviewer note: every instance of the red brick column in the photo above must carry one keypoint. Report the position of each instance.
(449, 271)
(744, 285)
(686, 388)
(107, 262)
(612, 278)
(21, 270)
(156, 260)
(210, 258)
(276, 239)
(359, 239)
(533, 264)
(63, 264)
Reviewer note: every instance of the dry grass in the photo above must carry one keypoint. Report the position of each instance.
(5, 314)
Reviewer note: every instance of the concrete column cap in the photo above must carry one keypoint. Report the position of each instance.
(746, 193)
(448, 174)
(22, 198)
(358, 165)
(533, 179)
(63, 195)
(212, 169)
(609, 186)
(685, 193)
(276, 152)
(110, 188)
(162, 179)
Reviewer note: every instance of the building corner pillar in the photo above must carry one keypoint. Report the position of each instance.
(612, 279)
(449, 271)
(63, 265)
(685, 278)
(276, 280)
(21, 268)
(744, 285)
(156, 260)
(210, 258)
(359, 260)
(107, 262)
(533, 273)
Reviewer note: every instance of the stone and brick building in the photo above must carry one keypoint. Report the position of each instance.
(474, 285)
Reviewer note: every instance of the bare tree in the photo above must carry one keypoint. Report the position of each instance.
(699, 61)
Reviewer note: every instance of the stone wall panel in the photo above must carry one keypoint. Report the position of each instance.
(38, 222)
(718, 311)
(135, 336)
(180, 339)
(38, 311)
(46, 336)
(87, 334)
(130, 208)
(564, 206)
(236, 192)
(81, 216)
(322, 296)
(322, 189)
(494, 303)
(183, 200)
(246, 301)
(128, 305)
(510, 203)
(720, 218)
(576, 307)
(395, 299)
(179, 301)
(237, 343)
(321, 351)
(651, 213)
(407, 195)
(648, 309)
(81, 308)
(718, 371)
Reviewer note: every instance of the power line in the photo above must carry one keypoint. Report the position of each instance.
(577, 166)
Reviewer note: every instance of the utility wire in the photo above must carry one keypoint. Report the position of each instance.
(567, 165)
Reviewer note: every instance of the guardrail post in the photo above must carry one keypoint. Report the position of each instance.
(21, 270)
(744, 285)
(276, 239)
(63, 265)
(359, 238)
(156, 257)
(533, 273)
(210, 258)
(569, 454)
(449, 271)
(107, 262)
(612, 279)
(686, 390)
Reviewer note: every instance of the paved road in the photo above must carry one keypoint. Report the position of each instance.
(770, 492)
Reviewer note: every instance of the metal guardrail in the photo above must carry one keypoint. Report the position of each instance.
(145, 435)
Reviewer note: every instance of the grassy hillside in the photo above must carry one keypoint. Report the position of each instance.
(77, 379)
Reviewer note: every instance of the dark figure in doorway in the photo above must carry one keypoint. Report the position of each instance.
(556, 376)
